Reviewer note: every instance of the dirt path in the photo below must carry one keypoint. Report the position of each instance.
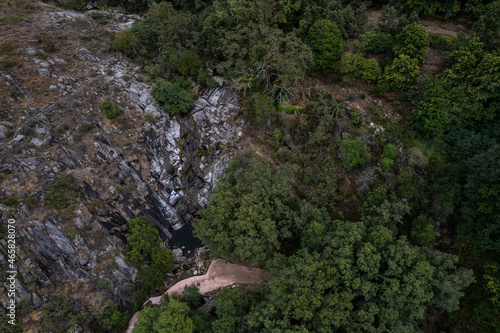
(219, 274)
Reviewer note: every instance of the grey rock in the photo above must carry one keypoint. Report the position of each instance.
(8, 124)
(61, 62)
(36, 300)
(44, 72)
(37, 142)
(44, 64)
(52, 88)
(31, 51)
(19, 137)
(4, 207)
(4, 132)
(61, 241)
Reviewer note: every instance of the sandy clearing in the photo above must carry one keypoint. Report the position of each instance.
(219, 274)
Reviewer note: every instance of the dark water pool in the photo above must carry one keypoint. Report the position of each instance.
(184, 237)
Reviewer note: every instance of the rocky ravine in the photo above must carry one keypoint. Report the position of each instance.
(156, 165)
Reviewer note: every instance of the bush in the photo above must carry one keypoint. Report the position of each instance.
(443, 42)
(412, 41)
(326, 43)
(191, 295)
(375, 43)
(386, 163)
(186, 63)
(422, 231)
(351, 96)
(85, 127)
(354, 151)
(391, 151)
(62, 193)
(109, 109)
(356, 65)
(289, 109)
(47, 44)
(124, 41)
(417, 158)
(172, 96)
(399, 75)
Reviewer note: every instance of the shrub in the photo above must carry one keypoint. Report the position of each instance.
(172, 96)
(109, 109)
(443, 42)
(85, 127)
(356, 65)
(375, 43)
(47, 44)
(399, 75)
(422, 231)
(191, 295)
(326, 43)
(354, 151)
(386, 163)
(62, 193)
(391, 151)
(412, 41)
(186, 63)
(417, 158)
(124, 41)
(289, 109)
(351, 96)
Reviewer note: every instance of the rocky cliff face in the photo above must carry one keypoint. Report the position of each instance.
(145, 162)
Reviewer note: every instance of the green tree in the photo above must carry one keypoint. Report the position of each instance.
(374, 42)
(247, 219)
(191, 295)
(172, 97)
(354, 151)
(399, 75)
(366, 69)
(413, 42)
(124, 41)
(231, 307)
(422, 231)
(487, 28)
(363, 280)
(325, 42)
(173, 316)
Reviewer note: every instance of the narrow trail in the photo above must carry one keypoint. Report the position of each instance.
(219, 274)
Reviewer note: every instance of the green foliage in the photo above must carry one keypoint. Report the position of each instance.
(112, 320)
(47, 43)
(85, 127)
(173, 316)
(444, 42)
(247, 219)
(366, 69)
(351, 96)
(362, 281)
(191, 295)
(481, 214)
(231, 307)
(386, 163)
(354, 151)
(413, 42)
(60, 314)
(487, 28)
(186, 62)
(62, 193)
(422, 231)
(289, 109)
(145, 33)
(204, 77)
(172, 96)
(400, 75)
(391, 151)
(262, 110)
(72, 4)
(466, 94)
(8, 47)
(124, 41)
(464, 144)
(109, 109)
(326, 43)
(374, 42)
